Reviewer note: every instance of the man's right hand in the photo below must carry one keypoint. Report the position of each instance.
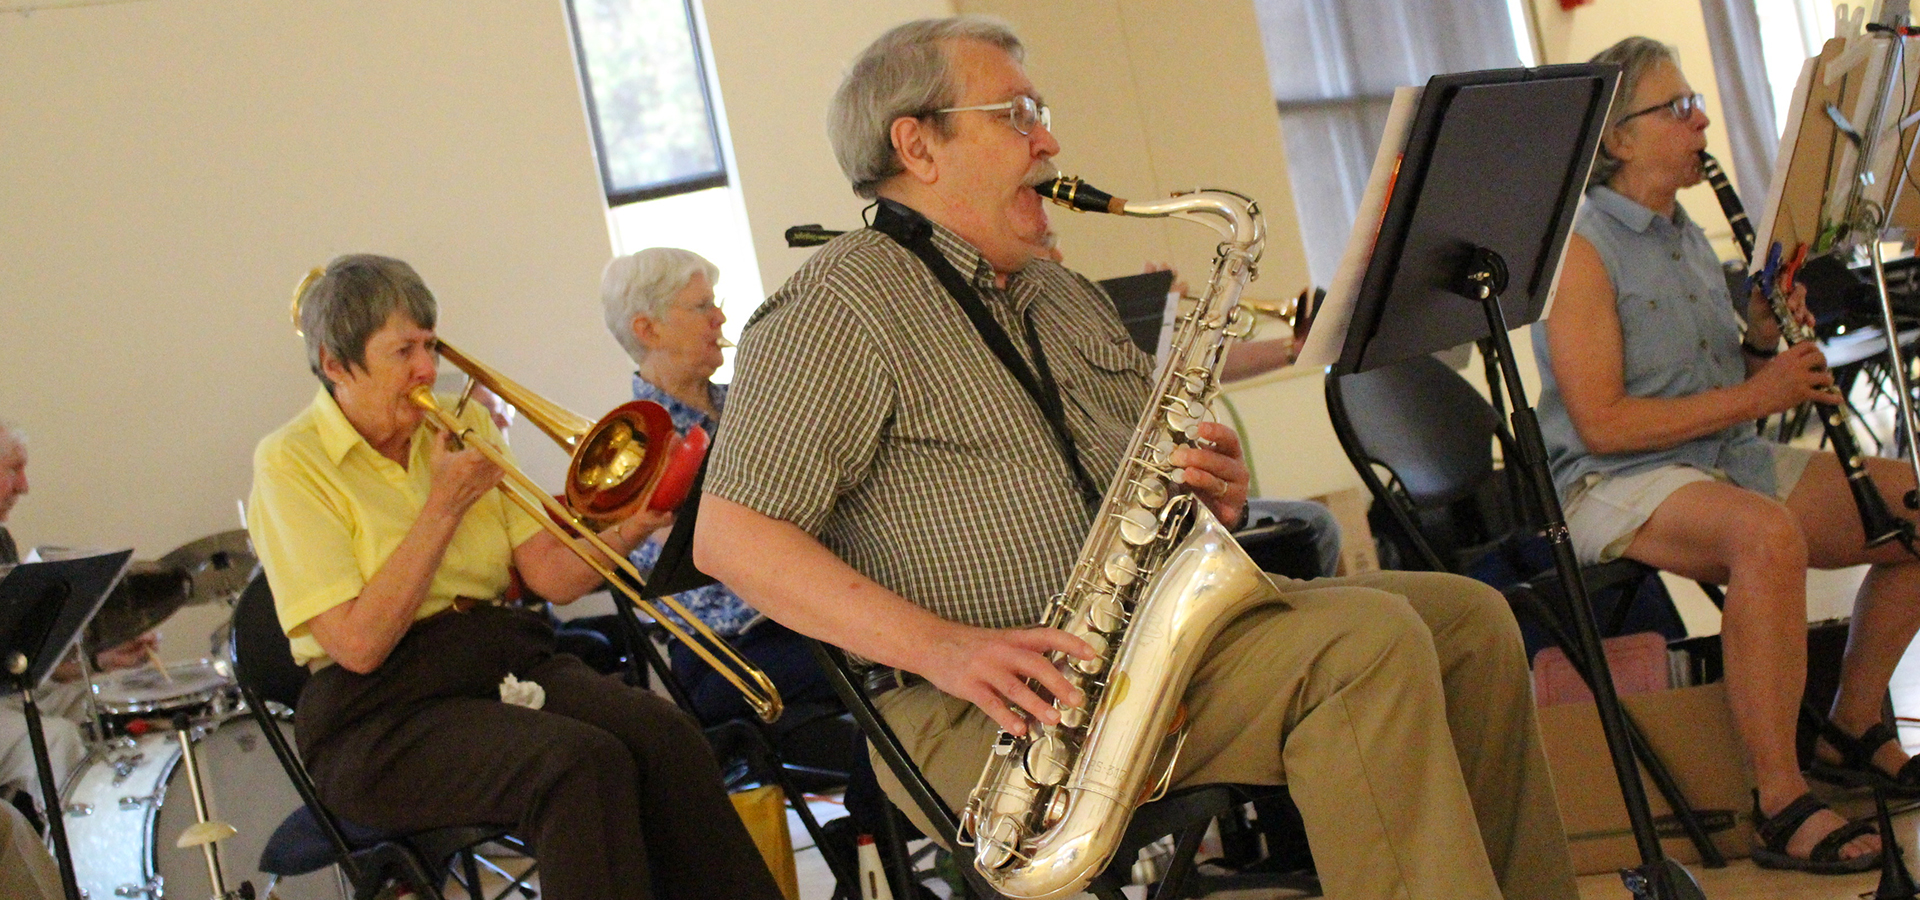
(991, 668)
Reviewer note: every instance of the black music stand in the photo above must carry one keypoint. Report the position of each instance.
(1487, 185)
(43, 607)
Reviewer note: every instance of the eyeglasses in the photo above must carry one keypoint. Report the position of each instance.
(1681, 108)
(1023, 113)
(706, 307)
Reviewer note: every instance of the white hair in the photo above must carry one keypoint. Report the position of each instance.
(904, 72)
(640, 284)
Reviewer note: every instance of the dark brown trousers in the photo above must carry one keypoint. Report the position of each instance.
(616, 789)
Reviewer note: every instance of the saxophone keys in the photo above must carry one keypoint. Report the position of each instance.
(1106, 614)
(1160, 450)
(1098, 642)
(1138, 526)
(1150, 492)
(1056, 809)
(1120, 570)
(996, 848)
(1046, 759)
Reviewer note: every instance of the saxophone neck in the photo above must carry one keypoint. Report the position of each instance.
(1236, 217)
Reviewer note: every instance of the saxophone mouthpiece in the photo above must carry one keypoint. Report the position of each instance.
(1069, 190)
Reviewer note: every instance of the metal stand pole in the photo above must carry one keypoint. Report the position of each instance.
(18, 665)
(1657, 878)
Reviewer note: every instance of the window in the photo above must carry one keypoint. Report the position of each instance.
(647, 98)
(1333, 66)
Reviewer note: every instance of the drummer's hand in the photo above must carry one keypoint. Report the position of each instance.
(129, 655)
(460, 477)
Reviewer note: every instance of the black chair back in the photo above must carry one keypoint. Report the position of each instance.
(261, 660)
(1434, 433)
(1422, 420)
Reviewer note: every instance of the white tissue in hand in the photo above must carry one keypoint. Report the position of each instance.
(522, 693)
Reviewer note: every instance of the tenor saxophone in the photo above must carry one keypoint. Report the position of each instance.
(1155, 582)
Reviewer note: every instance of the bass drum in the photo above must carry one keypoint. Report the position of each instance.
(129, 803)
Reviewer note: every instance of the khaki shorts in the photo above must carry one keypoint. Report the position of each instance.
(1605, 512)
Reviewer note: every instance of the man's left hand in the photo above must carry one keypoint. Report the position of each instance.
(1216, 474)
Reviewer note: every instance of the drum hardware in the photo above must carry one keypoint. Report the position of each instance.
(206, 832)
(152, 844)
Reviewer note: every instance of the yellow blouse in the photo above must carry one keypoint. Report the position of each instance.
(327, 510)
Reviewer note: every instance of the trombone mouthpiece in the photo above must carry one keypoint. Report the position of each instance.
(1069, 190)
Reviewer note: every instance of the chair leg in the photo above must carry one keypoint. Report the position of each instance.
(1173, 881)
(899, 866)
(471, 871)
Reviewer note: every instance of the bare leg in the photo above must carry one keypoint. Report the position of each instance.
(1886, 612)
(1718, 532)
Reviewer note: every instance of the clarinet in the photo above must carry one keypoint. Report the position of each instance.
(1879, 524)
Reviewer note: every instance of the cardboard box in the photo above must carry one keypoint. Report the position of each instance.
(1690, 729)
(1357, 551)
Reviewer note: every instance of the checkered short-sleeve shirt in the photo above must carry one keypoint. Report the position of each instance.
(868, 411)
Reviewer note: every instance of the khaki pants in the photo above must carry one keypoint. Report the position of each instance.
(1397, 708)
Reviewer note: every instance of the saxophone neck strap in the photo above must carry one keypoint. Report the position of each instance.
(913, 231)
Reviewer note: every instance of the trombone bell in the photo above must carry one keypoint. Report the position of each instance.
(618, 463)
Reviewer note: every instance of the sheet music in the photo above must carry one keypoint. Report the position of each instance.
(1329, 332)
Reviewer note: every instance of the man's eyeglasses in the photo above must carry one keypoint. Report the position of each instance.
(706, 307)
(1023, 113)
(1681, 108)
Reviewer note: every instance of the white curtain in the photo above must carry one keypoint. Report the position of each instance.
(1334, 64)
(1746, 96)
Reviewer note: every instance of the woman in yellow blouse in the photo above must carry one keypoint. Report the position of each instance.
(387, 550)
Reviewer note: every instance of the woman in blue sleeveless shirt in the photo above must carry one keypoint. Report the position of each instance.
(1650, 385)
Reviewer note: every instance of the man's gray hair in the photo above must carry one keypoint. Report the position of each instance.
(1635, 56)
(903, 73)
(640, 284)
(11, 435)
(353, 297)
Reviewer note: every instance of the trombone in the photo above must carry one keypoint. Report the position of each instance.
(626, 454)
(632, 456)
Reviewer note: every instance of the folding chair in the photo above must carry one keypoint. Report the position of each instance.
(312, 837)
(1434, 434)
(1184, 814)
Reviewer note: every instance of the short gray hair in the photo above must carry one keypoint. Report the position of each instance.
(11, 435)
(1635, 56)
(903, 73)
(640, 284)
(342, 305)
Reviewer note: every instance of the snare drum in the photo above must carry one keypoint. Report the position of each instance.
(203, 689)
(128, 804)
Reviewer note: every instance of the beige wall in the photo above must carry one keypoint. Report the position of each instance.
(778, 64)
(171, 169)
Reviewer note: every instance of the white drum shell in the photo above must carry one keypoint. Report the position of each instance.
(130, 801)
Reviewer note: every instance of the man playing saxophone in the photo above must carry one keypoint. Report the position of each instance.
(923, 486)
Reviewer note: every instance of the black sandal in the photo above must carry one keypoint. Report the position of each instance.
(1856, 768)
(1825, 859)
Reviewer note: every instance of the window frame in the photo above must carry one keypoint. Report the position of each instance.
(718, 177)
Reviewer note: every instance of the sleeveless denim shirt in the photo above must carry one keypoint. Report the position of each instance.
(1679, 336)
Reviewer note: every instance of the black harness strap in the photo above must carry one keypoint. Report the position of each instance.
(912, 231)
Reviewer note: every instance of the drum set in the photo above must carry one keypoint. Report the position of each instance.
(179, 792)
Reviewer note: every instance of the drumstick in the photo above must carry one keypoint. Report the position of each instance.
(153, 656)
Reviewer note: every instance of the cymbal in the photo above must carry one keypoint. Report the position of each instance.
(150, 592)
(217, 566)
